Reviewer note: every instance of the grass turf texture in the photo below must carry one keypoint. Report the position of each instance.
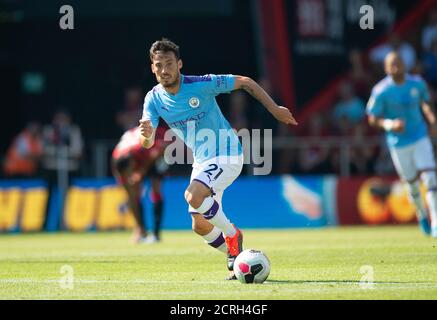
(306, 264)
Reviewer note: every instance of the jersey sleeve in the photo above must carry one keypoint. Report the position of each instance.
(149, 110)
(424, 92)
(220, 83)
(375, 105)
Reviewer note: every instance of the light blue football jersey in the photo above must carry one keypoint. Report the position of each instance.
(392, 101)
(194, 115)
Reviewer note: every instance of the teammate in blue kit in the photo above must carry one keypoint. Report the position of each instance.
(396, 105)
(188, 105)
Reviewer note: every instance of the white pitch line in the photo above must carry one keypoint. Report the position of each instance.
(202, 294)
(33, 281)
(196, 282)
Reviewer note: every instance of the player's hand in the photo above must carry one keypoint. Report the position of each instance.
(146, 128)
(398, 125)
(135, 178)
(284, 115)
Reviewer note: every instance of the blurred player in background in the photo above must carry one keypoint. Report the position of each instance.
(131, 163)
(397, 105)
(189, 101)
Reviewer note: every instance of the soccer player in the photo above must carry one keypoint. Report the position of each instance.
(188, 106)
(130, 164)
(396, 105)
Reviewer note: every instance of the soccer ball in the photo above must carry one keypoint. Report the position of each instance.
(252, 266)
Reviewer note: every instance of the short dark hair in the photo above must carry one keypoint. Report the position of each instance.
(122, 163)
(164, 45)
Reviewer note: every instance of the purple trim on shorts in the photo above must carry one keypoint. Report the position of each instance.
(192, 212)
(217, 242)
(432, 189)
(211, 212)
(202, 183)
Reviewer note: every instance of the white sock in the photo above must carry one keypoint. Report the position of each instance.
(431, 200)
(415, 197)
(215, 239)
(213, 212)
(222, 222)
(429, 179)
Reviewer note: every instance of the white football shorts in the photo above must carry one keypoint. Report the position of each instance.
(217, 174)
(412, 159)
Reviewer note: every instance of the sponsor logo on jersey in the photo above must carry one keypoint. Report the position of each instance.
(221, 81)
(182, 123)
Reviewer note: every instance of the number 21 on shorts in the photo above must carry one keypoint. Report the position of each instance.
(211, 172)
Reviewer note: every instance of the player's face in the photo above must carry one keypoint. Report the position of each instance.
(395, 67)
(166, 68)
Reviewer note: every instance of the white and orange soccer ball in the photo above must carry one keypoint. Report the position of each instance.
(252, 266)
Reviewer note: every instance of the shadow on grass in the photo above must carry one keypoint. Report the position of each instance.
(337, 282)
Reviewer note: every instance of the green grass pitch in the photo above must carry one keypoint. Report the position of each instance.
(322, 263)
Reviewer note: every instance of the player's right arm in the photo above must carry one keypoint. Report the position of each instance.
(149, 122)
(375, 112)
(396, 125)
(147, 133)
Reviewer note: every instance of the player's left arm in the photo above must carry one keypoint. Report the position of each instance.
(429, 113)
(426, 103)
(281, 113)
(430, 118)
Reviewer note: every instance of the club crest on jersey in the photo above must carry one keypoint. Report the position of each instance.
(414, 92)
(194, 102)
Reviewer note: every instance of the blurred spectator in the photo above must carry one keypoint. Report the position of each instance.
(406, 50)
(350, 108)
(383, 162)
(238, 110)
(429, 33)
(61, 133)
(314, 157)
(23, 156)
(430, 64)
(362, 155)
(358, 75)
(129, 116)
